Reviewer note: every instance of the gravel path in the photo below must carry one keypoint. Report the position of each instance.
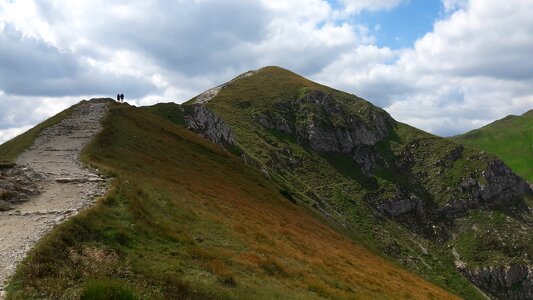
(68, 186)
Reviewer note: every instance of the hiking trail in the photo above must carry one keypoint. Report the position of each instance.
(66, 186)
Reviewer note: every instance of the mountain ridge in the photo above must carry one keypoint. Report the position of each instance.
(300, 133)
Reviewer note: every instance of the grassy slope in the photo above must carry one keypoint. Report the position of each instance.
(185, 219)
(10, 150)
(510, 138)
(335, 179)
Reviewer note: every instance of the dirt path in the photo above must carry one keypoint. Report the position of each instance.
(68, 186)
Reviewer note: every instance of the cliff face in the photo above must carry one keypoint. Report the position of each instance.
(202, 121)
(505, 282)
(501, 183)
(326, 125)
(394, 186)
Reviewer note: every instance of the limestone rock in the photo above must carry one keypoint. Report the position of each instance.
(513, 282)
(497, 185)
(204, 122)
(323, 134)
(502, 184)
(400, 204)
(17, 184)
(367, 158)
(274, 122)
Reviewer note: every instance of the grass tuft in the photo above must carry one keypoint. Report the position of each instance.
(106, 290)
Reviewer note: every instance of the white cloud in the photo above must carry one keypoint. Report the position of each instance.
(154, 51)
(356, 6)
(7, 134)
(452, 5)
(20, 113)
(474, 67)
(180, 43)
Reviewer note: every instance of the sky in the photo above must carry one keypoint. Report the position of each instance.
(444, 66)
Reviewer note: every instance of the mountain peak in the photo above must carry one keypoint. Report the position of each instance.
(212, 92)
(265, 84)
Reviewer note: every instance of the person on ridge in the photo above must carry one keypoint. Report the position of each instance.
(118, 97)
(121, 97)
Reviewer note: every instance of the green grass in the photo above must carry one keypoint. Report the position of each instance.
(510, 138)
(10, 150)
(169, 111)
(185, 219)
(105, 289)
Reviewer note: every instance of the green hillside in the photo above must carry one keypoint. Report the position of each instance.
(511, 138)
(185, 219)
(407, 194)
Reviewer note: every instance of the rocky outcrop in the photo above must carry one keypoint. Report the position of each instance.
(400, 205)
(322, 133)
(502, 184)
(505, 282)
(324, 124)
(17, 184)
(273, 122)
(204, 122)
(497, 185)
(367, 158)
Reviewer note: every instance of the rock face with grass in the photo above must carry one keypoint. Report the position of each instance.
(209, 125)
(327, 125)
(339, 153)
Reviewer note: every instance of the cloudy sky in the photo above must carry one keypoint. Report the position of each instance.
(443, 66)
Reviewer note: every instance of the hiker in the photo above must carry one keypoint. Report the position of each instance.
(121, 97)
(118, 97)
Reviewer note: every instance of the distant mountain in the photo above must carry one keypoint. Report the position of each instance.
(511, 138)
